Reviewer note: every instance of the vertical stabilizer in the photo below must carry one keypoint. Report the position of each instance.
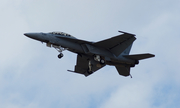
(123, 70)
(127, 50)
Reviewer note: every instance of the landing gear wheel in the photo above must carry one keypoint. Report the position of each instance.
(89, 72)
(102, 61)
(60, 55)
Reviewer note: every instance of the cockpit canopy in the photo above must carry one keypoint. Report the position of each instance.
(61, 33)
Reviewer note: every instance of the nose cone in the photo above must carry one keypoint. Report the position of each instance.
(32, 35)
(36, 36)
(26, 34)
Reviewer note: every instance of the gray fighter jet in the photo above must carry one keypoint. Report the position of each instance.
(92, 56)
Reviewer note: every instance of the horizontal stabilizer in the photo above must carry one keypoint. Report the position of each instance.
(139, 56)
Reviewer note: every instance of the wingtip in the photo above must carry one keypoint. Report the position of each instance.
(152, 55)
(70, 71)
(126, 33)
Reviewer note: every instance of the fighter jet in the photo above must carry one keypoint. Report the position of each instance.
(92, 56)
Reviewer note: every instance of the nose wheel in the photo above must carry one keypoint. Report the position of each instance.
(60, 55)
(60, 50)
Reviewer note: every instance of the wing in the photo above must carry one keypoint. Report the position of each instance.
(83, 63)
(117, 44)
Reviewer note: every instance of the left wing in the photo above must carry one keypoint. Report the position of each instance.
(83, 64)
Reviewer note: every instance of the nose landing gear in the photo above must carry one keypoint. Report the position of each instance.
(60, 55)
(60, 50)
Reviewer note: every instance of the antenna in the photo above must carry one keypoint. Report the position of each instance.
(130, 75)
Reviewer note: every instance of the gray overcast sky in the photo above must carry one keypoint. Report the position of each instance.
(31, 75)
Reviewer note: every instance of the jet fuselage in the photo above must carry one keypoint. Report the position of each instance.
(63, 41)
(92, 56)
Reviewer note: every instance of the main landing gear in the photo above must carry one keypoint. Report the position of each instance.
(90, 68)
(99, 59)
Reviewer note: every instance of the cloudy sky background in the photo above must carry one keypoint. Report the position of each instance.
(31, 75)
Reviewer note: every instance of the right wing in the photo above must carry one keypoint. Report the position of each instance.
(82, 65)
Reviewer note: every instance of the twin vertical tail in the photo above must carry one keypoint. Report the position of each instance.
(125, 70)
(126, 46)
(126, 52)
(120, 46)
